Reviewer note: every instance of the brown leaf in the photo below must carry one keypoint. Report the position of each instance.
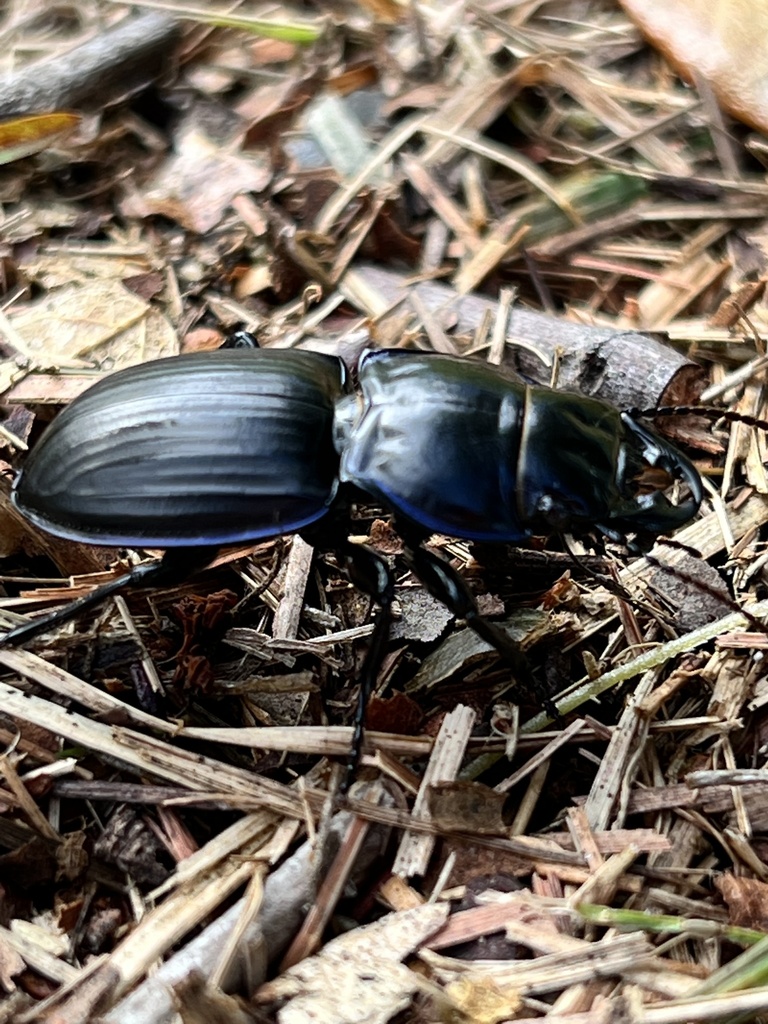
(725, 43)
(747, 900)
(202, 339)
(467, 807)
(480, 999)
(397, 713)
(72, 322)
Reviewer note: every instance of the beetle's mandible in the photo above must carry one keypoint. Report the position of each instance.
(196, 452)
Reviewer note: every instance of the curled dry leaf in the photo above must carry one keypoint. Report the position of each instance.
(724, 43)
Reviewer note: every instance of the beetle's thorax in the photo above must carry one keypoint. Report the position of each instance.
(435, 439)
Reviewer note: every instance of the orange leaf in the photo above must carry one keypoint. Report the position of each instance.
(26, 135)
(723, 41)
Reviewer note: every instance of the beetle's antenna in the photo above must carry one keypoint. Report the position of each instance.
(709, 411)
(621, 592)
(610, 583)
(606, 581)
(701, 585)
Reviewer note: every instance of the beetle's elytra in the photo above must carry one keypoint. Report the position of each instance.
(216, 448)
(212, 448)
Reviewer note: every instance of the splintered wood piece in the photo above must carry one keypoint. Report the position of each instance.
(613, 775)
(285, 624)
(415, 850)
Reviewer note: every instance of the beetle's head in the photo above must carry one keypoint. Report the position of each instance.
(583, 466)
(646, 467)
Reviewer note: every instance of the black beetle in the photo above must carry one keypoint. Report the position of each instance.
(217, 448)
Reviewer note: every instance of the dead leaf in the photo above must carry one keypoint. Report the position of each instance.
(480, 1000)
(747, 900)
(422, 616)
(725, 43)
(196, 185)
(467, 807)
(364, 965)
(397, 713)
(70, 323)
(26, 135)
(202, 339)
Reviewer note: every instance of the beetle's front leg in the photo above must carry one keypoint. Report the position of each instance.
(444, 583)
(176, 565)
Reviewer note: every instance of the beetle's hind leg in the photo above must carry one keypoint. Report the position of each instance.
(444, 583)
(174, 567)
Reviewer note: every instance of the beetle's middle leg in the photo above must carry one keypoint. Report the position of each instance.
(444, 583)
(176, 565)
(369, 572)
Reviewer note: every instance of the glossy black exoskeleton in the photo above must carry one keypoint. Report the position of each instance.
(193, 453)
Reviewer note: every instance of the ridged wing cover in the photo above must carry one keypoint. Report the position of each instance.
(210, 448)
(437, 439)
